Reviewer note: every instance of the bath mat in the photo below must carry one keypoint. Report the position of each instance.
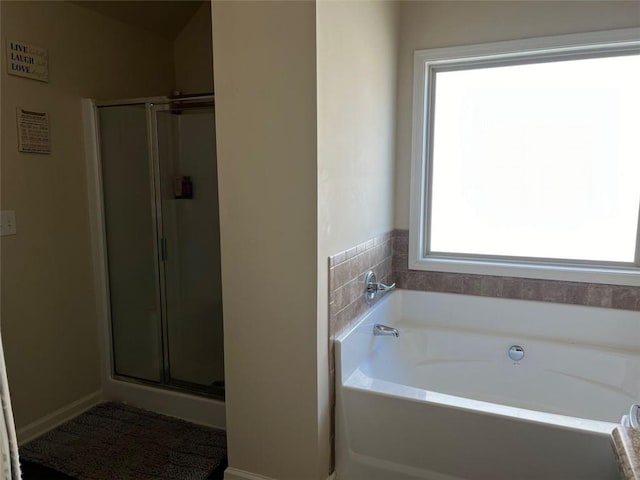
(34, 471)
(118, 442)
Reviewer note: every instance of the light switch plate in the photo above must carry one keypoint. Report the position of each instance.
(7, 222)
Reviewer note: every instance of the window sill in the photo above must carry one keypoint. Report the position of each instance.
(578, 273)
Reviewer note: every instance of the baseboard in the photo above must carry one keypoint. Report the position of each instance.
(51, 421)
(234, 474)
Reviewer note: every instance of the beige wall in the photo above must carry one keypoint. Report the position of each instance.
(356, 62)
(265, 82)
(357, 54)
(49, 324)
(443, 24)
(193, 54)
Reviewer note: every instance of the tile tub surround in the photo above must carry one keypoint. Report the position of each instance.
(589, 294)
(626, 445)
(346, 279)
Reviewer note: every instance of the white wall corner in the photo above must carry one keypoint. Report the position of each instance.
(64, 414)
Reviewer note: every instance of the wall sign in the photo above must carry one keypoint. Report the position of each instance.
(33, 131)
(27, 61)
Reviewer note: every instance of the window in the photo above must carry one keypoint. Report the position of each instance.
(526, 158)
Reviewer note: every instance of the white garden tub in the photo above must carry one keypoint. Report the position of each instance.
(445, 401)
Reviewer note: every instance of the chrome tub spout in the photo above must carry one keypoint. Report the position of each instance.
(383, 330)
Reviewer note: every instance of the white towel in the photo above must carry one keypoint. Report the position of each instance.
(5, 454)
(9, 463)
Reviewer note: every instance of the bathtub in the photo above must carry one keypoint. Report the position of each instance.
(444, 401)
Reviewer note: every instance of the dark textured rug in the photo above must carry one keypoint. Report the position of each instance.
(33, 471)
(118, 442)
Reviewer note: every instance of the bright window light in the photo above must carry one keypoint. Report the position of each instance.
(536, 160)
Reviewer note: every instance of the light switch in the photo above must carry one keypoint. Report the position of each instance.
(7, 222)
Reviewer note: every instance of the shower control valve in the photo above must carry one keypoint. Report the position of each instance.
(372, 287)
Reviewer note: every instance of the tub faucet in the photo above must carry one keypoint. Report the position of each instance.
(383, 330)
(372, 287)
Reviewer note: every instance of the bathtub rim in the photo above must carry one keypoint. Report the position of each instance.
(358, 381)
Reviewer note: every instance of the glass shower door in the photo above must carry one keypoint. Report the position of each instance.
(188, 189)
(127, 182)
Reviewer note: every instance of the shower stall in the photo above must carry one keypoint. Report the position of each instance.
(157, 227)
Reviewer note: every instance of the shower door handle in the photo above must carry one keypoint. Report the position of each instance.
(163, 249)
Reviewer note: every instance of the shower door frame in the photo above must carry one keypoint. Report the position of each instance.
(152, 105)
